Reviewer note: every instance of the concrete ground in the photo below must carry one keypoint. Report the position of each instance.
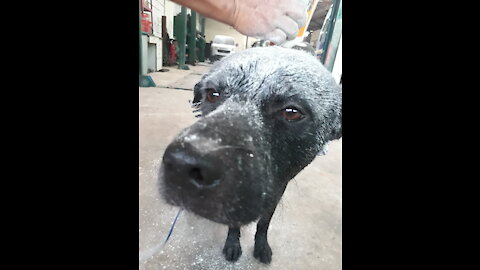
(306, 229)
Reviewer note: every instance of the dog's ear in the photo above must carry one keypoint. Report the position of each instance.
(335, 131)
(197, 95)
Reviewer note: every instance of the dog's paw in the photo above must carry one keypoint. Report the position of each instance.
(262, 251)
(232, 250)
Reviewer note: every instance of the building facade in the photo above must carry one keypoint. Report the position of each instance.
(152, 12)
(152, 42)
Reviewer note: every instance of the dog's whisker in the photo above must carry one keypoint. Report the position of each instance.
(229, 147)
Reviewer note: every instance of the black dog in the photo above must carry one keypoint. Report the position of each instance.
(266, 113)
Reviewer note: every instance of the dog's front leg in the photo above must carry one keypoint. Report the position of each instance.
(262, 250)
(232, 249)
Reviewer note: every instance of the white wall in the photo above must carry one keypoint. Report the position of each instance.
(158, 10)
(199, 29)
(153, 51)
(169, 13)
(172, 9)
(213, 28)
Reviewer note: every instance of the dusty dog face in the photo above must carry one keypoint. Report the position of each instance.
(266, 113)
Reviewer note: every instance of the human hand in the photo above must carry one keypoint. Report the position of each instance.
(276, 21)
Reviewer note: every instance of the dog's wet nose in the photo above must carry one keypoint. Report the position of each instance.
(200, 181)
(186, 168)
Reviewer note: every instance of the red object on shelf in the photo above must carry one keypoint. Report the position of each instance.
(146, 23)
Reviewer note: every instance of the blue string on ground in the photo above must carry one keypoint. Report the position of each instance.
(146, 254)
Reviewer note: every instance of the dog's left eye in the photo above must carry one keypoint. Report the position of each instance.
(291, 114)
(212, 95)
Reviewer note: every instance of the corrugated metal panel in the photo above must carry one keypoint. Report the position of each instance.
(158, 54)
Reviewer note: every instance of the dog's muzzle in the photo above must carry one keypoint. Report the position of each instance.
(217, 168)
(191, 167)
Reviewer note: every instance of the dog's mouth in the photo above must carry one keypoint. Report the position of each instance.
(219, 201)
(210, 208)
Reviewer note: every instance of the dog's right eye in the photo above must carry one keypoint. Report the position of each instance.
(212, 95)
(291, 114)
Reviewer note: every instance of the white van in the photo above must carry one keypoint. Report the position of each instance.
(221, 47)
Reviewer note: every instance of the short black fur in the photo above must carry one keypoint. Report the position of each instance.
(273, 111)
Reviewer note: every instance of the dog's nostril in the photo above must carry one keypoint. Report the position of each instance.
(196, 175)
(198, 179)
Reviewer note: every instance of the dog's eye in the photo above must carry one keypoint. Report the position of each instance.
(291, 114)
(212, 95)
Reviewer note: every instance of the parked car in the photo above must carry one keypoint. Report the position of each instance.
(221, 47)
(263, 43)
(297, 45)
